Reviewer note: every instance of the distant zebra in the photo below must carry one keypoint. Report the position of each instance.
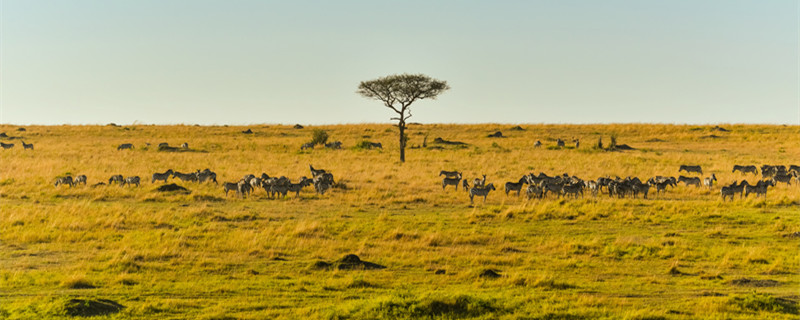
(375, 145)
(784, 177)
(185, 145)
(448, 181)
(516, 186)
(297, 187)
(537, 144)
(131, 180)
(163, 145)
(695, 181)
(117, 178)
(26, 146)
(480, 192)
(230, 186)
(186, 177)
(690, 169)
(334, 145)
(534, 191)
(6, 145)
(478, 183)
(309, 145)
(759, 189)
(709, 182)
(727, 191)
(574, 189)
(125, 146)
(243, 188)
(206, 175)
(162, 176)
(64, 180)
(745, 169)
(577, 143)
(315, 172)
(80, 179)
(560, 143)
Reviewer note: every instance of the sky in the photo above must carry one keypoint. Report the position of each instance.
(286, 62)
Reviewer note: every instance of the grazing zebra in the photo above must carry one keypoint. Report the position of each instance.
(80, 179)
(642, 188)
(375, 145)
(117, 178)
(727, 191)
(6, 145)
(185, 145)
(784, 177)
(593, 187)
(323, 182)
(334, 145)
(186, 177)
(759, 189)
(537, 144)
(315, 172)
(125, 146)
(64, 180)
(534, 191)
(695, 181)
(480, 192)
(709, 182)
(203, 176)
(162, 176)
(745, 169)
(516, 186)
(243, 188)
(230, 186)
(131, 180)
(690, 169)
(465, 183)
(26, 146)
(448, 181)
(479, 183)
(309, 145)
(296, 187)
(560, 143)
(574, 189)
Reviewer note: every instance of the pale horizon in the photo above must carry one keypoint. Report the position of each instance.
(263, 62)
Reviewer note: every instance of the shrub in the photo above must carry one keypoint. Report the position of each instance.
(319, 136)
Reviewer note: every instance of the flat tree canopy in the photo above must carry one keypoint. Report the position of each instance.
(398, 92)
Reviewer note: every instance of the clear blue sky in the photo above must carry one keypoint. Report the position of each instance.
(246, 62)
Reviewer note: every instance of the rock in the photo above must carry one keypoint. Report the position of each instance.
(497, 134)
(248, 131)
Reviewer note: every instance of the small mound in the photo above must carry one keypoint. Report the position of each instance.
(321, 265)
(113, 125)
(248, 131)
(20, 129)
(755, 283)
(440, 271)
(171, 187)
(3, 135)
(298, 126)
(98, 184)
(656, 140)
(624, 147)
(443, 141)
(489, 273)
(90, 308)
(497, 134)
(353, 262)
(720, 129)
(517, 128)
(711, 136)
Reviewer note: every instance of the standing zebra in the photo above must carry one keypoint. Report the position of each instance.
(6, 145)
(690, 169)
(26, 146)
(478, 183)
(186, 177)
(162, 176)
(64, 180)
(80, 179)
(480, 192)
(516, 186)
(131, 181)
(709, 182)
(125, 146)
(560, 143)
(185, 145)
(117, 178)
(465, 184)
(537, 144)
(454, 181)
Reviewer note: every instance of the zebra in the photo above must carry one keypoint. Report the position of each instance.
(186, 177)
(690, 169)
(162, 176)
(203, 176)
(80, 179)
(26, 146)
(125, 146)
(577, 143)
(560, 143)
(323, 182)
(537, 144)
(334, 145)
(64, 180)
(552, 187)
(6, 145)
(230, 186)
(465, 183)
(516, 186)
(709, 182)
(695, 181)
(450, 174)
(296, 187)
(784, 177)
(185, 145)
(309, 145)
(315, 172)
(745, 169)
(593, 187)
(727, 191)
(642, 188)
(131, 180)
(478, 183)
(448, 181)
(243, 188)
(375, 145)
(759, 189)
(574, 189)
(534, 191)
(117, 178)
(475, 191)
(163, 145)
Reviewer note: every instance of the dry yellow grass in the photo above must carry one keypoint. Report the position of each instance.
(201, 255)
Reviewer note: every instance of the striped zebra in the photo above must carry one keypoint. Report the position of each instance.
(480, 192)
(334, 145)
(297, 187)
(727, 191)
(451, 174)
(64, 180)
(27, 146)
(309, 145)
(784, 177)
(745, 169)
(709, 181)
(534, 191)
(162, 176)
(690, 169)
(6, 145)
(451, 181)
(80, 179)
(639, 187)
(375, 145)
(695, 181)
(465, 183)
(125, 146)
(207, 175)
(516, 186)
(117, 178)
(560, 143)
(243, 188)
(759, 189)
(185, 177)
(574, 189)
(230, 186)
(478, 183)
(537, 144)
(315, 172)
(131, 181)
(185, 145)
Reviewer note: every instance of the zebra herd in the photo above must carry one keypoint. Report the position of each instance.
(25, 146)
(539, 186)
(322, 181)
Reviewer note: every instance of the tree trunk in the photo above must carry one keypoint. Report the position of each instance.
(402, 126)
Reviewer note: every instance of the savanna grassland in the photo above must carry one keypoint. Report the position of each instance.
(128, 252)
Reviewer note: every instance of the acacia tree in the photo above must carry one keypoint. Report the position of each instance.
(398, 92)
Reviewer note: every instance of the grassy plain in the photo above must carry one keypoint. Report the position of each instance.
(683, 255)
